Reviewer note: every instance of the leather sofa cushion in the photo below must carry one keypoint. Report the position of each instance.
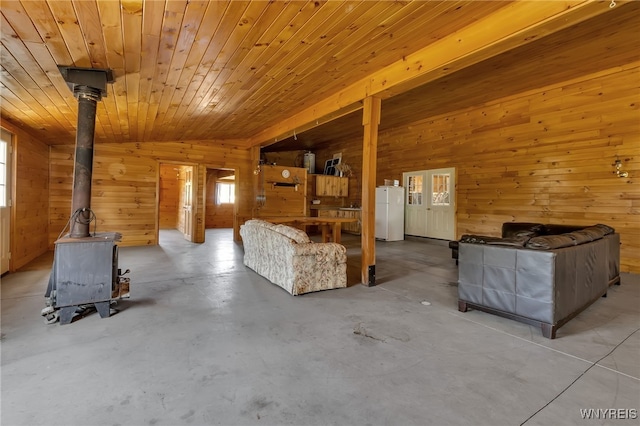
(582, 236)
(551, 229)
(589, 234)
(477, 239)
(513, 242)
(549, 242)
(483, 239)
(605, 228)
(516, 229)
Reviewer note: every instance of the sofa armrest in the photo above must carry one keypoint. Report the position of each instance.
(322, 251)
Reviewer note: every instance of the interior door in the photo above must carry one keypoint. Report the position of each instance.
(187, 203)
(441, 204)
(5, 203)
(415, 218)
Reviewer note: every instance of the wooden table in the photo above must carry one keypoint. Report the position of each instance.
(330, 226)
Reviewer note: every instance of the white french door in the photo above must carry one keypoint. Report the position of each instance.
(441, 212)
(430, 203)
(5, 201)
(415, 209)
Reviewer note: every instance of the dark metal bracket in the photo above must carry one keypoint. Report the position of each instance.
(79, 78)
(372, 276)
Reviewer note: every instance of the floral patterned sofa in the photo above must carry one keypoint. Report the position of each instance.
(288, 258)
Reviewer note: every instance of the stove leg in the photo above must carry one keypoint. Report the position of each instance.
(103, 309)
(66, 314)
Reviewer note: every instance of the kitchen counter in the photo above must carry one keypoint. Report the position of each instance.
(334, 211)
(328, 207)
(323, 207)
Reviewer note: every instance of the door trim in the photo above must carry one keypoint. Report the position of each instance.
(194, 190)
(11, 195)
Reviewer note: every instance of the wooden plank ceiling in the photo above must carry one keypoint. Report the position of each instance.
(204, 70)
(586, 48)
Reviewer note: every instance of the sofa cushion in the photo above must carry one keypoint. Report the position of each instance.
(524, 234)
(517, 229)
(551, 229)
(477, 239)
(605, 228)
(581, 237)
(260, 222)
(483, 239)
(588, 234)
(297, 235)
(513, 242)
(549, 242)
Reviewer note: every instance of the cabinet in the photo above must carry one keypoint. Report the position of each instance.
(334, 186)
(353, 227)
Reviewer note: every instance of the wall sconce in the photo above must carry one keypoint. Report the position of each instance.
(618, 172)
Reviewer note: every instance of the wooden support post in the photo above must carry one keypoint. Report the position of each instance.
(241, 216)
(255, 161)
(370, 121)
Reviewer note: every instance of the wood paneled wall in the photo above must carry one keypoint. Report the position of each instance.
(285, 158)
(542, 156)
(217, 215)
(30, 221)
(169, 194)
(126, 180)
(280, 200)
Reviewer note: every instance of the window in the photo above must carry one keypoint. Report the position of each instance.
(225, 193)
(440, 184)
(414, 192)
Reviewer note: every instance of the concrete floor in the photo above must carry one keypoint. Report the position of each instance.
(206, 341)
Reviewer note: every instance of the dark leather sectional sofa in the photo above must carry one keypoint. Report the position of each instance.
(543, 275)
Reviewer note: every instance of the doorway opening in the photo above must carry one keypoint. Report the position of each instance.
(193, 197)
(220, 198)
(176, 206)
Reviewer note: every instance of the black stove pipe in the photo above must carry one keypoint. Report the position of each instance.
(88, 86)
(81, 196)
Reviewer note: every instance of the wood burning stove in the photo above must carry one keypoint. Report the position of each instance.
(85, 270)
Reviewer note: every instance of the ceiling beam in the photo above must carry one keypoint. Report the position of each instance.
(298, 124)
(514, 25)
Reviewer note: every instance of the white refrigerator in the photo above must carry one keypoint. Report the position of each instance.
(390, 213)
